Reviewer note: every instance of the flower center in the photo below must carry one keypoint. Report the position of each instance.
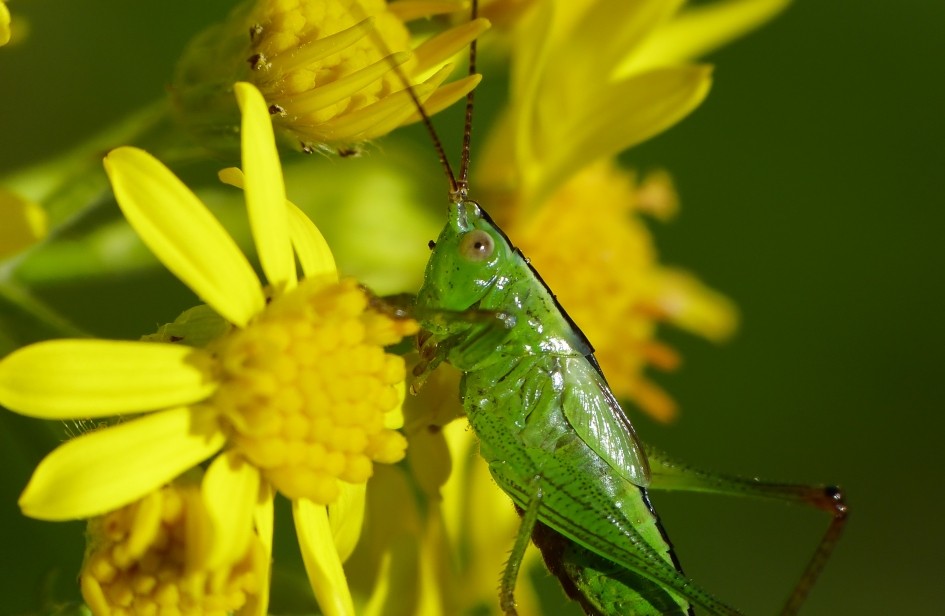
(306, 389)
(145, 559)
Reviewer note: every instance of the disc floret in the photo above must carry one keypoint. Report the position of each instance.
(150, 557)
(306, 389)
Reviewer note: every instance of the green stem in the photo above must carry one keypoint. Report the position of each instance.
(73, 184)
(51, 320)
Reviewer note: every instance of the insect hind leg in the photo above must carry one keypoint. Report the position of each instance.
(670, 474)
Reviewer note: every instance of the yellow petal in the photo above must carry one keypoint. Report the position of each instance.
(342, 88)
(688, 303)
(308, 241)
(380, 595)
(434, 564)
(398, 105)
(183, 234)
(230, 491)
(321, 558)
(622, 115)
(698, 31)
(311, 51)
(265, 189)
(22, 222)
(346, 517)
(232, 176)
(445, 96)
(310, 245)
(4, 24)
(605, 35)
(462, 445)
(263, 517)
(61, 379)
(530, 57)
(146, 524)
(422, 91)
(408, 10)
(109, 468)
(394, 418)
(447, 44)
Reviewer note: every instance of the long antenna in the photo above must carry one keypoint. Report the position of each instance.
(463, 183)
(440, 152)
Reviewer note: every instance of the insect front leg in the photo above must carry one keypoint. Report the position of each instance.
(481, 333)
(670, 474)
(512, 566)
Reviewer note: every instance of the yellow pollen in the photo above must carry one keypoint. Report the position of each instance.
(145, 560)
(306, 386)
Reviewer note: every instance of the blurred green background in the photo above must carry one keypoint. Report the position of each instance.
(810, 183)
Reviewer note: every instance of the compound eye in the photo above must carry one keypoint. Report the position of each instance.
(477, 246)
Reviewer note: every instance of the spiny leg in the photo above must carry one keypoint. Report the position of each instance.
(525, 529)
(670, 474)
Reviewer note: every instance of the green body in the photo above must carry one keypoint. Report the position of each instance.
(550, 429)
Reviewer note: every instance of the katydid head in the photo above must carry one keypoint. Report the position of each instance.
(469, 254)
(467, 260)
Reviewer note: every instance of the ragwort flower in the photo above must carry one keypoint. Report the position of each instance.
(332, 71)
(299, 388)
(171, 550)
(589, 80)
(622, 292)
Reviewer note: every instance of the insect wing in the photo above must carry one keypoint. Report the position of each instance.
(597, 417)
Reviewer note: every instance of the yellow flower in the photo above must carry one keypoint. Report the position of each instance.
(168, 551)
(22, 222)
(592, 247)
(590, 79)
(4, 23)
(438, 530)
(299, 387)
(332, 71)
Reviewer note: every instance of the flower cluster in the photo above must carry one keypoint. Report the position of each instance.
(290, 384)
(298, 383)
(154, 556)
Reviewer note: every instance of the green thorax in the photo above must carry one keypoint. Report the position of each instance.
(474, 266)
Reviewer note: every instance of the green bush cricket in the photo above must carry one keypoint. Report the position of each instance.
(556, 439)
